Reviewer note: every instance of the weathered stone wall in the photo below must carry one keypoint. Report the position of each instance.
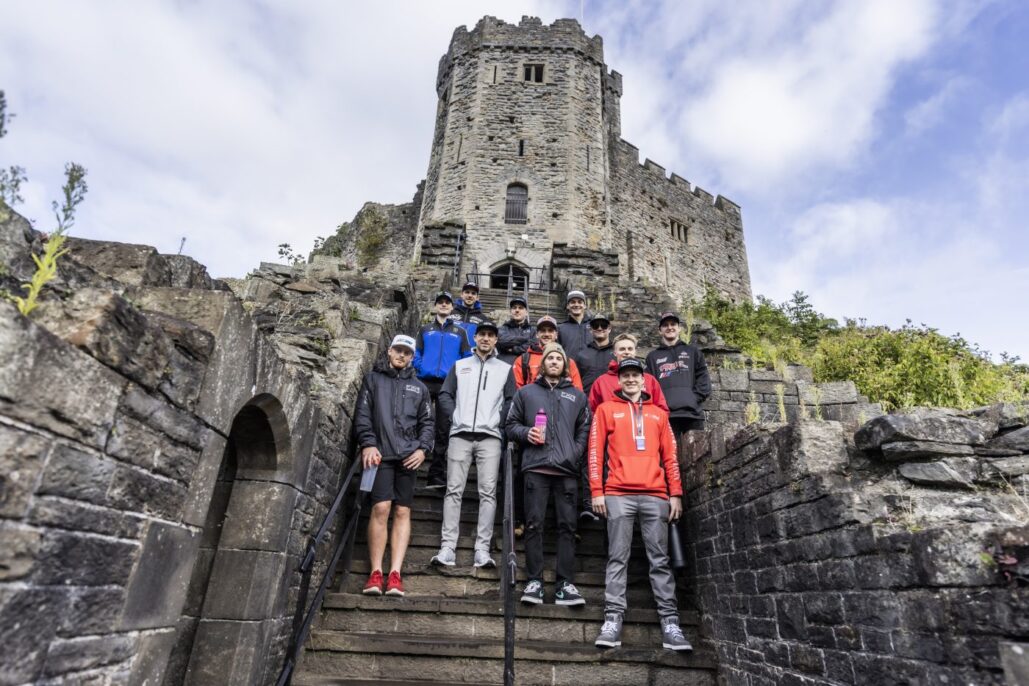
(815, 563)
(166, 449)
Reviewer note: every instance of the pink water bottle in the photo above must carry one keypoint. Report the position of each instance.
(541, 423)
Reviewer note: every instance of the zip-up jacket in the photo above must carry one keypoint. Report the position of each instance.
(514, 339)
(394, 412)
(652, 470)
(568, 425)
(438, 347)
(605, 387)
(527, 367)
(593, 361)
(682, 373)
(574, 336)
(476, 395)
(469, 318)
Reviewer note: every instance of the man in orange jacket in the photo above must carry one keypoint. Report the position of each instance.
(633, 438)
(606, 384)
(526, 367)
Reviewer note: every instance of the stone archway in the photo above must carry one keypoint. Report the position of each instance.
(237, 588)
(511, 271)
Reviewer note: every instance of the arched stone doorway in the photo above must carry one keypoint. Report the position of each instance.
(237, 588)
(509, 272)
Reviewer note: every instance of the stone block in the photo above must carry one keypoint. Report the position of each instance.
(924, 424)
(1015, 658)
(136, 443)
(1007, 467)
(228, 652)
(185, 272)
(132, 265)
(159, 414)
(953, 556)
(1006, 415)
(815, 448)
(91, 610)
(954, 472)
(901, 451)
(246, 585)
(205, 475)
(153, 651)
(1012, 440)
(28, 620)
(83, 559)
(157, 590)
(76, 474)
(19, 548)
(733, 380)
(138, 490)
(796, 372)
(21, 460)
(258, 517)
(49, 384)
(87, 652)
(828, 393)
(74, 515)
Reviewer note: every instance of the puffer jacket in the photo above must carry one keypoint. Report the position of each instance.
(438, 347)
(394, 413)
(514, 339)
(468, 318)
(526, 367)
(593, 361)
(606, 385)
(568, 425)
(682, 373)
(476, 395)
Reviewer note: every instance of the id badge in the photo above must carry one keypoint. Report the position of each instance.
(641, 443)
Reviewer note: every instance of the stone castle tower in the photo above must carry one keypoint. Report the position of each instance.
(527, 155)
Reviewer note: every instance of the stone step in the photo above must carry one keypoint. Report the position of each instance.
(480, 660)
(425, 521)
(464, 567)
(588, 547)
(320, 680)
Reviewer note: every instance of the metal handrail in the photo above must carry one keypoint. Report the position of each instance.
(509, 569)
(345, 546)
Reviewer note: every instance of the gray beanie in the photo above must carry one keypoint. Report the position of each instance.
(555, 348)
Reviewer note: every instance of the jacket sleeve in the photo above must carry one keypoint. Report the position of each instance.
(701, 378)
(595, 395)
(521, 343)
(515, 427)
(516, 372)
(419, 351)
(426, 424)
(670, 458)
(651, 367)
(658, 395)
(582, 429)
(447, 400)
(364, 425)
(465, 349)
(573, 372)
(508, 340)
(595, 454)
(509, 392)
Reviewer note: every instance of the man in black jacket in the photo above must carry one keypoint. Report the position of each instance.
(682, 372)
(551, 457)
(594, 359)
(394, 426)
(517, 333)
(574, 332)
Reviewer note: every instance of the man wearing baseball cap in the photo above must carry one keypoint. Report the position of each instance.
(517, 333)
(394, 426)
(594, 359)
(574, 332)
(468, 310)
(438, 345)
(527, 365)
(632, 438)
(682, 372)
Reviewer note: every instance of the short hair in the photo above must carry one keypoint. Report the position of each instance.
(626, 336)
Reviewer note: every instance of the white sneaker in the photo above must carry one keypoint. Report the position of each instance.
(483, 559)
(445, 557)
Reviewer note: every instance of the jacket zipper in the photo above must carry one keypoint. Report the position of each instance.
(439, 362)
(475, 411)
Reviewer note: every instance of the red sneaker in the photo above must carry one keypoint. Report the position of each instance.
(374, 585)
(395, 585)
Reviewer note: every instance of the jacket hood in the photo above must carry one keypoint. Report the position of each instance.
(459, 305)
(565, 381)
(593, 344)
(526, 324)
(663, 346)
(383, 366)
(644, 396)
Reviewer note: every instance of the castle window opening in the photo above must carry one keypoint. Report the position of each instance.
(521, 148)
(679, 232)
(494, 74)
(534, 73)
(587, 158)
(460, 142)
(517, 209)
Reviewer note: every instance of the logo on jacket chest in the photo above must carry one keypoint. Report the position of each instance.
(567, 396)
(413, 389)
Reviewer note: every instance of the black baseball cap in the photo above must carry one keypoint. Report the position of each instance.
(628, 364)
(669, 315)
(444, 295)
(470, 286)
(518, 300)
(600, 318)
(487, 324)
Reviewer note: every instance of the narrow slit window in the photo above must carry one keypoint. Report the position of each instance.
(521, 148)
(679, 232)
(460, 142)
(494, 74)
(587, 158)
(534, 73)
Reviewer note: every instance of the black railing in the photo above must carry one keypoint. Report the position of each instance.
(509, 569)
(516, 278)
(304, 616)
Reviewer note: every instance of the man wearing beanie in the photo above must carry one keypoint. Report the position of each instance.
(551, 457)
(527, 365)
(574, 332)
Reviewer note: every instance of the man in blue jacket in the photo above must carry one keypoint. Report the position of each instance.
(438, 345)
(551, 459)
(681, 371)
(393, 425)
(468, 311)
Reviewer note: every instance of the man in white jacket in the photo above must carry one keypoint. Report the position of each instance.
(475, 396)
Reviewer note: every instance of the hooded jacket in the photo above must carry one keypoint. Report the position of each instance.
(654, 470)
(568, 425)
(393, 413)
(469, 318)
(605, 387)
(682, 373)
(437, 348)
(574, 336)
(514, 339)
(533, 357)
(476, 395)
(593, 361)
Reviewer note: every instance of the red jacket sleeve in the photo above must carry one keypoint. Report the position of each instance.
(595, 453)
(670, 458)
(573, 373)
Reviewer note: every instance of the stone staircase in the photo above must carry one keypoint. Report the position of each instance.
(449, 628)
(495, 304)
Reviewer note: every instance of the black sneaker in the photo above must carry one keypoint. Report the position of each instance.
(589, 516)
(533, 593)
(568, 594)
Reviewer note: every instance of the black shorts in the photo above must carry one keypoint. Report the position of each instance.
(394, 482)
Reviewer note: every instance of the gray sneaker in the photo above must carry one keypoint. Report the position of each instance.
(483, 559)
(445, 557)
(671, 635)
(611, 632)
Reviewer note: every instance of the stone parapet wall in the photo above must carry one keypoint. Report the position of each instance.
(815, 563)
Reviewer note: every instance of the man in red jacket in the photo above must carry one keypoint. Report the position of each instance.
(605, 386)
(634, 439)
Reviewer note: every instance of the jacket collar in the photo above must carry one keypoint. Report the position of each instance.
(563, 383)
(383, 366)
(644, 396)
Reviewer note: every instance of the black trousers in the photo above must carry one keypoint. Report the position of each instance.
(438, 461)
(681, 425)
(538, 488)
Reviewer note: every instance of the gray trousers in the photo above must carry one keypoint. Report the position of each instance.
(652, 513)
(460, 453)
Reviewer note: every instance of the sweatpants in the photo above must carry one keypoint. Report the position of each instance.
(652, 513)
(461, 451)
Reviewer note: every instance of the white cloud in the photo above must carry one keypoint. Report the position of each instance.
(928, 113)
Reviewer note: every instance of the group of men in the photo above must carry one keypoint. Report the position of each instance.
(579, 409)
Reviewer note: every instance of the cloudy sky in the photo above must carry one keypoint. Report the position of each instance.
(880, 150)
